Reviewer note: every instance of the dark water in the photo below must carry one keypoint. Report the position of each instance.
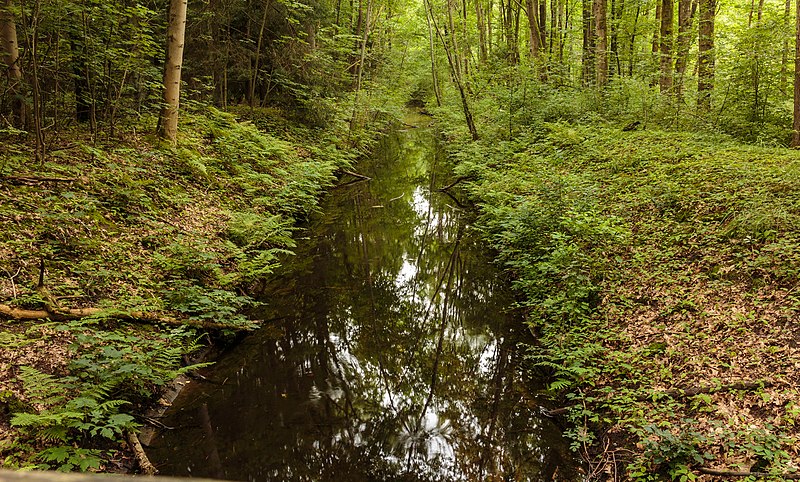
(390, 354)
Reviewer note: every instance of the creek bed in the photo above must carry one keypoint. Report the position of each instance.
(390, 352)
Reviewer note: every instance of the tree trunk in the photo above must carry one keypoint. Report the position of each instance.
(587, 56)
(254, 77)
(657, 29)
(542, 24)
(667, 16)
(796, 120)
(168, 119)
(686, 10)
(632, 49)
(8, 31)
(481, 25)
(434, 73)
(534, 43)
(785, 52)
(456, 76)
(705, 60)
(601, 52)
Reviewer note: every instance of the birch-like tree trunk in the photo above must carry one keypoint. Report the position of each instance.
(168, 121)
(8, 33)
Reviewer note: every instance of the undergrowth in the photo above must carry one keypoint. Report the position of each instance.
(647, 262)
(186, 231)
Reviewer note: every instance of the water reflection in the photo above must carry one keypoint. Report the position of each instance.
(395, 358)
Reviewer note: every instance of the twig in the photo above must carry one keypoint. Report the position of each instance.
(11, 278)
(39, 179)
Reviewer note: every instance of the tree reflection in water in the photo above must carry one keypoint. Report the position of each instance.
(396, 359)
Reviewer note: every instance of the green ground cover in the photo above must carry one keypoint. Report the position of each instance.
(142, 231)
(659, 270)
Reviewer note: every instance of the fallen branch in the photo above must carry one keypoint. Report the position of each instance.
(453, 184)
(39, 179)
(141, 458)
(66, 314)
(355, 174)
(731, 473)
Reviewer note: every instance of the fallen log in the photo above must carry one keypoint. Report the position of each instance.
(66, 314)
(145, 466)
(732, 473)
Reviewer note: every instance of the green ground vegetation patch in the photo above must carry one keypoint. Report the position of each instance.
(660, 271)
(131, 225)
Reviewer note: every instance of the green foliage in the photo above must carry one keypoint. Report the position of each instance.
(109, 372)
(66, 458)
(598, 226)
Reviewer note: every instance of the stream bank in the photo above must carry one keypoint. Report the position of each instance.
(392, 354)
(659, 270)
(130, 247)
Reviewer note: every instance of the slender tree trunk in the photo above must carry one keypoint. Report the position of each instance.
(8, 30)
(657, 29)
(665, 79)
(168, 120)
(360, 66)
(542, 24)
(553, 32)
(613, 35)
(33, 42)
(453, 37)
(481, 26)
(456, 76)
(686, 11)
(601, 52)
(785, 52)
(705, 61)
(490, 26)
(256, 66)
(796, 120)
(632, 49)
(434, 73)
(587, 55)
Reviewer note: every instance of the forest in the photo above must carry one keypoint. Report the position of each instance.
(630, 166)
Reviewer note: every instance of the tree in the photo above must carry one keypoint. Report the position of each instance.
(8, 33)
(667, 15)
(686, 10)
(601, 51)
(705, 60)
(534, 39)
(168, 120)
(796, 120)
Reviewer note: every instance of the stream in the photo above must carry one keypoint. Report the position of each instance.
(389, 352)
